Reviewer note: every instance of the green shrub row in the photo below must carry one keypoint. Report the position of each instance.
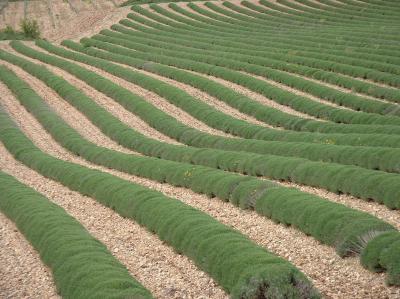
(363, 157)
(82, 266)
(247, 192)
(236, 100)
(270, 39)
(242, 268)
(338, 13)
(380, 186)
(277, 94)
(379, 75)
(277, 70)
(360, 31)
(382, 253)
(153, 44)
(141, 2)
(352, 6)
(315, 41)
(201, 110)
(377, 62)
(277, 48)
(227, 14)
(294, 42)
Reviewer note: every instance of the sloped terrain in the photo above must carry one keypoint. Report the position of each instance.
(242, 149)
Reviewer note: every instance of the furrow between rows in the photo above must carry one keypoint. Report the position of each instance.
(336, 277)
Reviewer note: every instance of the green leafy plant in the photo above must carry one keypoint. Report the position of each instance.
(30, 28)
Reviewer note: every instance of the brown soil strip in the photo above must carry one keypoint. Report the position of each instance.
(165, 273)
(79, 122)
(257, 97)
(72, 116)
(297, 92)
(342, 89)
(107, 103)
(204, 97)
(335, 277)
(156, 100)
(373, 208)
(23, 273)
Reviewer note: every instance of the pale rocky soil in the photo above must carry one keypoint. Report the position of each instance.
(165, 273)
(335, 277)
(23, 275)
(80, 123)
(154, 264)
(60, 19)
(154, 99)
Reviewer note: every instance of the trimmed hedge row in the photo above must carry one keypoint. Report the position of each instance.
(285, 41)
(246, 192)
(242, 268)
(140, 2)
(380, 186)
(82, 266)
(335, 14)
(362, 59)
(233, 63)
(199, 109)
(108, 38)
(338, 13)
(232, 18)
(312, 67)
(359, 31)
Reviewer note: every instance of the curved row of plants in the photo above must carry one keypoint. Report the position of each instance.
(242, 268)
(360, 30)
(204, 22)
(272, 116)
(377, 158)
(346, 226)
(201, 110)
(337, 12)
(210, 39)
(333, 46)
(274, 69)
(312, 67)
(380, 186)
(308, 36)
(282, 42)
(292, 42)
(151, 45)
(82, 266)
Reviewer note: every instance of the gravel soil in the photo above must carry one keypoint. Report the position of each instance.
(157, 101)
(257, 97)
(335, 277)
(23, 275)
(208, 99)
(165, 273)
(79, 122)
(298, 92)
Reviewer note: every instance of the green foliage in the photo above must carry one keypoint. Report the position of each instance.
(9, 33)
(30, 28)
(74, 256)
(383, 253)
(228, 256)
(9, 30)
(367, 184)
(328, 222)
